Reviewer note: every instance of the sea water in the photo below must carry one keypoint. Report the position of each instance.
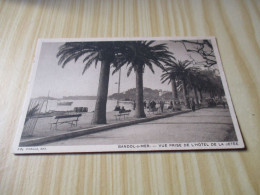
(90, 104)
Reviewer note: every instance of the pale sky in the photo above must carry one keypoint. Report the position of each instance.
(69, 81)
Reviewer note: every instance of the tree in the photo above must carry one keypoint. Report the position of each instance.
(203, 48)
(208, 81)
(170, 75)
(182, 71)
(214, 84)
(141, 54)
(93, 52)
(194, 79)
(202, 81)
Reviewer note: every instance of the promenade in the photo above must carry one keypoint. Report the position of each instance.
(43, 133)
(205, 125)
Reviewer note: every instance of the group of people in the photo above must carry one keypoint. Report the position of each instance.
(176, 105)
(121, 110)
(152, 105)
(149, 105)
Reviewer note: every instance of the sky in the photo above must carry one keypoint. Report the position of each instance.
(68, 81)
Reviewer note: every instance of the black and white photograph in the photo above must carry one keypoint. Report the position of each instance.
(127, 95)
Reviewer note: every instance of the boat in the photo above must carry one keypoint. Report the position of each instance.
(125, 101)
(64, 103)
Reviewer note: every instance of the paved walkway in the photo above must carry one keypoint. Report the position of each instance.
(42, 128)
(205, 125)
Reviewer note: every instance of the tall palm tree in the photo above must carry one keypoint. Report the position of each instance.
(92, 53)
(194, 79)
(182, 71)
(203, 83)
(141, 54)
(170, 75)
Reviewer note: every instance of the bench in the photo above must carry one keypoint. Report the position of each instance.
(69, 119)
(123, 114)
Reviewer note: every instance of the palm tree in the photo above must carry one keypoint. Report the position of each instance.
(170, 75)
(194, 79)
(93, 52)
(201, 82)
(182, 71)
(138, 55)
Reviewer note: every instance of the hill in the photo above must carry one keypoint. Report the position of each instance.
(150, 94)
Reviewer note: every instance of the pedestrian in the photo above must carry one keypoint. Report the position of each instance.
(162, 105)
(134, 105)
(144, 104)
(224, 104)
(171, 106)
(153, 104)
(193, 105)
(177, 105)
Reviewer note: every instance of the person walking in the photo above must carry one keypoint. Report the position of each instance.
(134, 105)
(144, 104)
(171, 105)
(193, 105)
(161, 105)
(224, 104)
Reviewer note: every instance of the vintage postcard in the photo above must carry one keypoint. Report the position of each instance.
(127, 95)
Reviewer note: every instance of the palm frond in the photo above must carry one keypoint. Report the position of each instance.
(88, 64)
(129, 70)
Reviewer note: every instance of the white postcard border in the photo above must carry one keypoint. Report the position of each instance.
(190, 146)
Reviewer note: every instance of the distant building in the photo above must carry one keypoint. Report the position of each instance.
(161, 92)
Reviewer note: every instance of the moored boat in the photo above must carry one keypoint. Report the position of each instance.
(64, 103)
(126, 102)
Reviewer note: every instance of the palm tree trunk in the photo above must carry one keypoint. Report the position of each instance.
(201, 97)
(185, 94)
(196, 95)
(174, 90)
(99, 116)
(139, 112)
